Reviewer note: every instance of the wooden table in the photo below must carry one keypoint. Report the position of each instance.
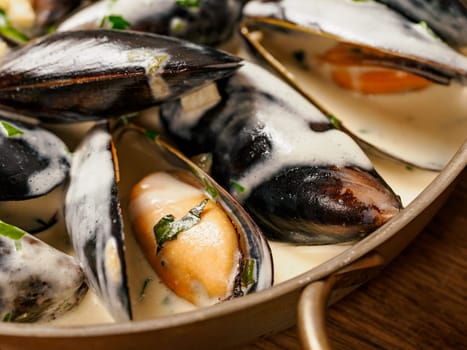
(418, 302)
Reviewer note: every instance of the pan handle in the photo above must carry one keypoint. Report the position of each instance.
(319, 294)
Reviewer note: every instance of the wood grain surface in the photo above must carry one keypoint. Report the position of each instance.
(418, 302)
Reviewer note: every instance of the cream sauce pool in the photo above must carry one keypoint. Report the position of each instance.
(434, 121)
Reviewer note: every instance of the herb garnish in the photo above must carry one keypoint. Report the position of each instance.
(188, 3)
(237, 187)
(145, 285)
(7, 318)
(409, 167)
(334, 121)
(248, 273)
(115, 22)
(11, 130)
(12, 232)
(167, 229)
(10, 33)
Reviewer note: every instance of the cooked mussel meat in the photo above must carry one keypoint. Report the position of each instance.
(208, 22)
(83, 75)
(204, 266)
(34, 163)
(37, 282)
(197, 238)
(300, 178)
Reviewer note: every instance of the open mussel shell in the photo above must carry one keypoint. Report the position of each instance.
(369, 24)
(34, 163)
(145, 156)
(95, 74)
(37, 282)
(94, 223)
(209, 22)
(431, 134)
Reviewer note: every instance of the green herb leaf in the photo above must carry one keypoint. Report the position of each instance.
(145, 285)
(151, 134)
(236, 186)
(167, 229)
(209, 188)
(409, 167)
(115, 22)
(334, 121)
(248, 273)
(11, 130)
(188, 3)
(427, 28)
(10, 33)
(6, 318)
(13, 233)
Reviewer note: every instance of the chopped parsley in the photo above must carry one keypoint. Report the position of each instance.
(12, 232)
(248, 273)
(409, 167)
(188, 3)
(8, 32)
(334, 121)
(237, 187)
(6, 318)
(11, 130)
(426, 27)
(209, 188)
(151, 134)
(167, 228)
(115, 22)
(145, 285)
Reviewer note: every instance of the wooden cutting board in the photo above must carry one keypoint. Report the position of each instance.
(418, 302)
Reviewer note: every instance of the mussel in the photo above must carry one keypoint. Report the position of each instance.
(34, 164)
(94, 205)
(405, 45)
(85, 75)
(371, 81)
(300, 178)
(447, 18)
(37, 282)
(209, 22)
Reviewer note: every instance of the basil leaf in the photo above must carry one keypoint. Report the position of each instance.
(167, 229)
